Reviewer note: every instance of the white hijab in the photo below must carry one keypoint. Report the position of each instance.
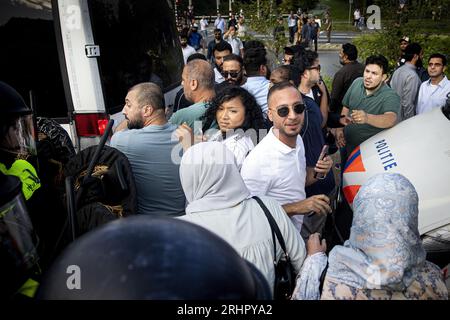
(210, 178)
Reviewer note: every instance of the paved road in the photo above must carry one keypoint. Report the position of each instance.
(338, 37)
(329, 62)
(329, 59)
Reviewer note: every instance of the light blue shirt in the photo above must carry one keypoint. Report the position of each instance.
(432, 96)
(156, 174)
(220, 24)
(259, 88)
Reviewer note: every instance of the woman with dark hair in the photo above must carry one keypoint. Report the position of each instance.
(239, 119)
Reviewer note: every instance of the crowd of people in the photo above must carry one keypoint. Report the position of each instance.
(239, 130)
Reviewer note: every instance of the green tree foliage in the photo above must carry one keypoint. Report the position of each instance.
(386, 43)
(261, 17)
(416, 21)
(288, 5)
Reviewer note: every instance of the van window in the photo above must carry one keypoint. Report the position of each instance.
(28, 56)
(138, 43)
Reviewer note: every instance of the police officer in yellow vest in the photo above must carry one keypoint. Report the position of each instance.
(17, 155)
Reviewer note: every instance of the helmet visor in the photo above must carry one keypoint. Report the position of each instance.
(18, 136)
(17, 245)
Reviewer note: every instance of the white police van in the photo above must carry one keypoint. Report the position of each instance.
(74, 60)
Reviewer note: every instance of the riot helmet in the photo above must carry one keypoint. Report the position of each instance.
(143, 257)
(17, 135)
(18, 254)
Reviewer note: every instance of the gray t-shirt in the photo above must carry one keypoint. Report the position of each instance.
(157, 177)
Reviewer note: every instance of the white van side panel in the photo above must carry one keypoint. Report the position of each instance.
(83, 72)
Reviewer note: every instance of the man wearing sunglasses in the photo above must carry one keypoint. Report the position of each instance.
(232, 70)
(312, 134)
(276, 167)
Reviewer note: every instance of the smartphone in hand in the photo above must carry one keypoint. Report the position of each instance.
(323, 154)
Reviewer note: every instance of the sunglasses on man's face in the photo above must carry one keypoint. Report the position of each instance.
(283, 111)
(233, 74)
(315, 68)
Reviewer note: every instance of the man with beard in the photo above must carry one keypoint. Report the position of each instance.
(276, 167)
(406, 82)
(421, 71)
(258, 73)
(145, 137)
(433, 93)
(310, 81)
(220, 50)
(217, 39)
(312, 135)
(198, 85)
(232, 70)
(187, 49)
(369, 106)
(195, 39)
(403, 44)
(342, 80)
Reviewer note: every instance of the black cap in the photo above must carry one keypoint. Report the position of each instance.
(145, 257)
(11, 102)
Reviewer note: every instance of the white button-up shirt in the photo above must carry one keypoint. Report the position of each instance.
(218, 78)
(276, 170)
(259, 88)
(432, 96)
(236, 45)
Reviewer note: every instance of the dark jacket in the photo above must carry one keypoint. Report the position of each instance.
(342, 81)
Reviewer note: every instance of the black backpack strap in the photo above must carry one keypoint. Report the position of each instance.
(273, 226)
(322, 278)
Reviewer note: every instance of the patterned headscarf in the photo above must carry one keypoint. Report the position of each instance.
(384, 250)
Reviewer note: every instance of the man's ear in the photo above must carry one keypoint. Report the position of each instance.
(148, 110)
(270, 115)
(384, 76)
(263, 70)
(193, 83)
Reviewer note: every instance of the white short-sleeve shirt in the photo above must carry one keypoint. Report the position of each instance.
(276, 170)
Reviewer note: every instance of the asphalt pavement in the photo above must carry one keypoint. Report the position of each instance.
(328, 52)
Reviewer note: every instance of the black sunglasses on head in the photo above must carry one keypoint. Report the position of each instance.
(233, 74)
(283, 111)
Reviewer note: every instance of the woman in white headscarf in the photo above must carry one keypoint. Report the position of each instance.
(384, 258)
(219, 201)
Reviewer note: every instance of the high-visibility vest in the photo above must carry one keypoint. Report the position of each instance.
(27, 175)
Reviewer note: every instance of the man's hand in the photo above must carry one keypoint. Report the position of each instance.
(318, 203)
(322, 88)
(324, 166)
(185, 135)
(314, 245)
(345, 120)
(340, 138)
(359, 116)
